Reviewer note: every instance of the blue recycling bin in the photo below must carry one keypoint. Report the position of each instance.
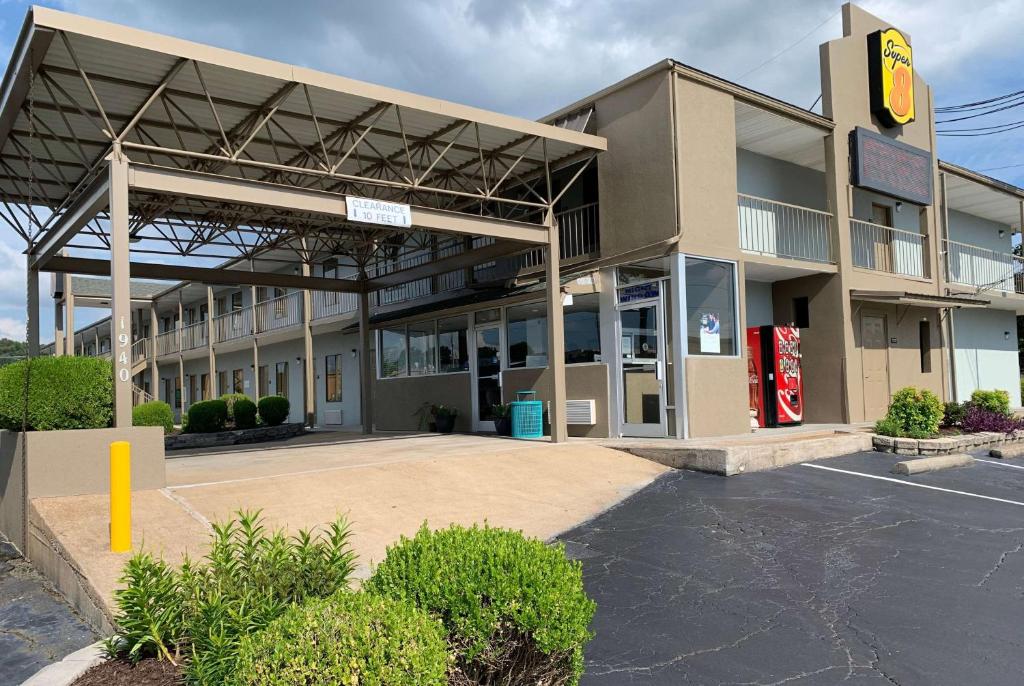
(527, 415)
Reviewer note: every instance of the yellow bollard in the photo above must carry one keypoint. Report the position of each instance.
(120, 497)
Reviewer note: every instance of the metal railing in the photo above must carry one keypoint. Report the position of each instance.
(578, 236)
(331, 303)
(970, 265)
(232, 325)
(140, 351)
(885, 249)
(778, 229)
(167, 342)
(194, 336)
(140, 396)
(279, 313)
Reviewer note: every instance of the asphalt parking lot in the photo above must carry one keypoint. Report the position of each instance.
(37, 626)
(837, 572)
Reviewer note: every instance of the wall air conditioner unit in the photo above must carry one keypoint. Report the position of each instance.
(581, 412)
(332, 416)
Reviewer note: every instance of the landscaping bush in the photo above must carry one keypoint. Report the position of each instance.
(206, 416)
(352, 638)
(978, 418)
(274, 409)
(993, 401)
(245, 413)
(953, 414)
(514, 609)
(63, 393)
(916, 411)
(154, 413)
(230, 399)
(888, 427)
(202, 611)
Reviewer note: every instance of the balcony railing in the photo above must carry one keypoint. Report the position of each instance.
(578, 236)
(330, 303)
(969, 265)
(194, 336)
(232, 325)
(889, 250)
(777, 229)
(140, 350)
(167, 342)
(279, 313)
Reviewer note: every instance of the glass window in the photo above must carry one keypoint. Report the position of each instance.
(238, 381)
(583, 329)
(206, 386)
(393, 357)
(422, 349)
(332, 372)
(264, 382)
(281, 382)
(487, 316)
(452, 351)
(527, 335)
(710, 307)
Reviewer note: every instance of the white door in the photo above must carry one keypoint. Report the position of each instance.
(487, 353)
(642, 371)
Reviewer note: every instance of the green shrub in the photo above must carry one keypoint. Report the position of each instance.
(154, 413)
(514, 609)
(63, 393)
(202, 611)
(230, 399)
(273, 409)
(953, 414)
(245, 413)
(888, 427)
(916, 410)
(352, 638)
(206, 416)
(993, 401)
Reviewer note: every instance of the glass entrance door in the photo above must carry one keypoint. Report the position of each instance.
(642, 369)
(487, 353)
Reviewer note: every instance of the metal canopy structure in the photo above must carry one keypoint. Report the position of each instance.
(118, 144)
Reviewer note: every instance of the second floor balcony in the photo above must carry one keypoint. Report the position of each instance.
(982, 268)
(885, 249)
(777, 229)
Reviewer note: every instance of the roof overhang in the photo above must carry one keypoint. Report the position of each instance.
(919, 299)
(979, 195)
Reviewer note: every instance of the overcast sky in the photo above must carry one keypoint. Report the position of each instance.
(531, 57)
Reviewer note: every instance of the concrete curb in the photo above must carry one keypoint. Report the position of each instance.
(66, 671)
(1008, 452)
(931, 464)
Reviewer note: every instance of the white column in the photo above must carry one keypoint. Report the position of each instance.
(678, 285)
(120, 296)
(309, 378)
(154, 368)
(366, 366)
(58, 328)
(69, 312)
(556, 335)
(211, 355)
(255, 347)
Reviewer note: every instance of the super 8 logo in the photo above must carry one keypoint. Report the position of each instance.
(891, 61)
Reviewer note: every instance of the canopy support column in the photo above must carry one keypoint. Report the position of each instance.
(154, 368)
(255, 345)
(210, 352)
(69, 309)
(32, 314)
(120, 300)
(365, 365)
(58, 328)
(308, 378)
(556, 335)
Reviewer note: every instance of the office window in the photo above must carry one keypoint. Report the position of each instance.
(422, 348)
(264, 384)
(924, 333)
(452, 350)
(281, 382)
(710, 307)
(583, 329)
(332, 374)
(801, 313)
(527, 335)
(393, 354)
(222, 383)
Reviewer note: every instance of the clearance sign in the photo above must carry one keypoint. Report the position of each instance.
(891, 63)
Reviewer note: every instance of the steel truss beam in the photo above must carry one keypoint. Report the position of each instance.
(83, 210)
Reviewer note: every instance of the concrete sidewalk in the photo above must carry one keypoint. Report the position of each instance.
(386, 486)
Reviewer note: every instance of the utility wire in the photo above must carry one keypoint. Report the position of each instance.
(982, 128)
(966, 133)
(790, 47)
(977, 104)
(1008, 166)
(1009, 106)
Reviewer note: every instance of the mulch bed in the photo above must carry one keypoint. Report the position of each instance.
(149, 672)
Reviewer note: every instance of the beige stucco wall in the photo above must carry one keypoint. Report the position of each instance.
(717, 396)
(582, 382)
(63, 463)
(396, 402)
(635, 176)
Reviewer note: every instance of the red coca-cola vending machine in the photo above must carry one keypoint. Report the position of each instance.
(776, 384)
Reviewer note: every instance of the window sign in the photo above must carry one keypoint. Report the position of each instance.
(640, 291)
(710, 333)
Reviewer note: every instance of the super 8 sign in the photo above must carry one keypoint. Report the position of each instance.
(890, 59)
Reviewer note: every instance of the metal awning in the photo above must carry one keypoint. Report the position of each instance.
(921, 299)
(79, 88)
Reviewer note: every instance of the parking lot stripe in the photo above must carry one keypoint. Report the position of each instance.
(998, 464)
(911, 483)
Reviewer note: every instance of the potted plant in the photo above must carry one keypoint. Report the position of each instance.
(502, 413)
(444, 418)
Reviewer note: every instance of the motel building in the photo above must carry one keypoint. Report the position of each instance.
(380, 250)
